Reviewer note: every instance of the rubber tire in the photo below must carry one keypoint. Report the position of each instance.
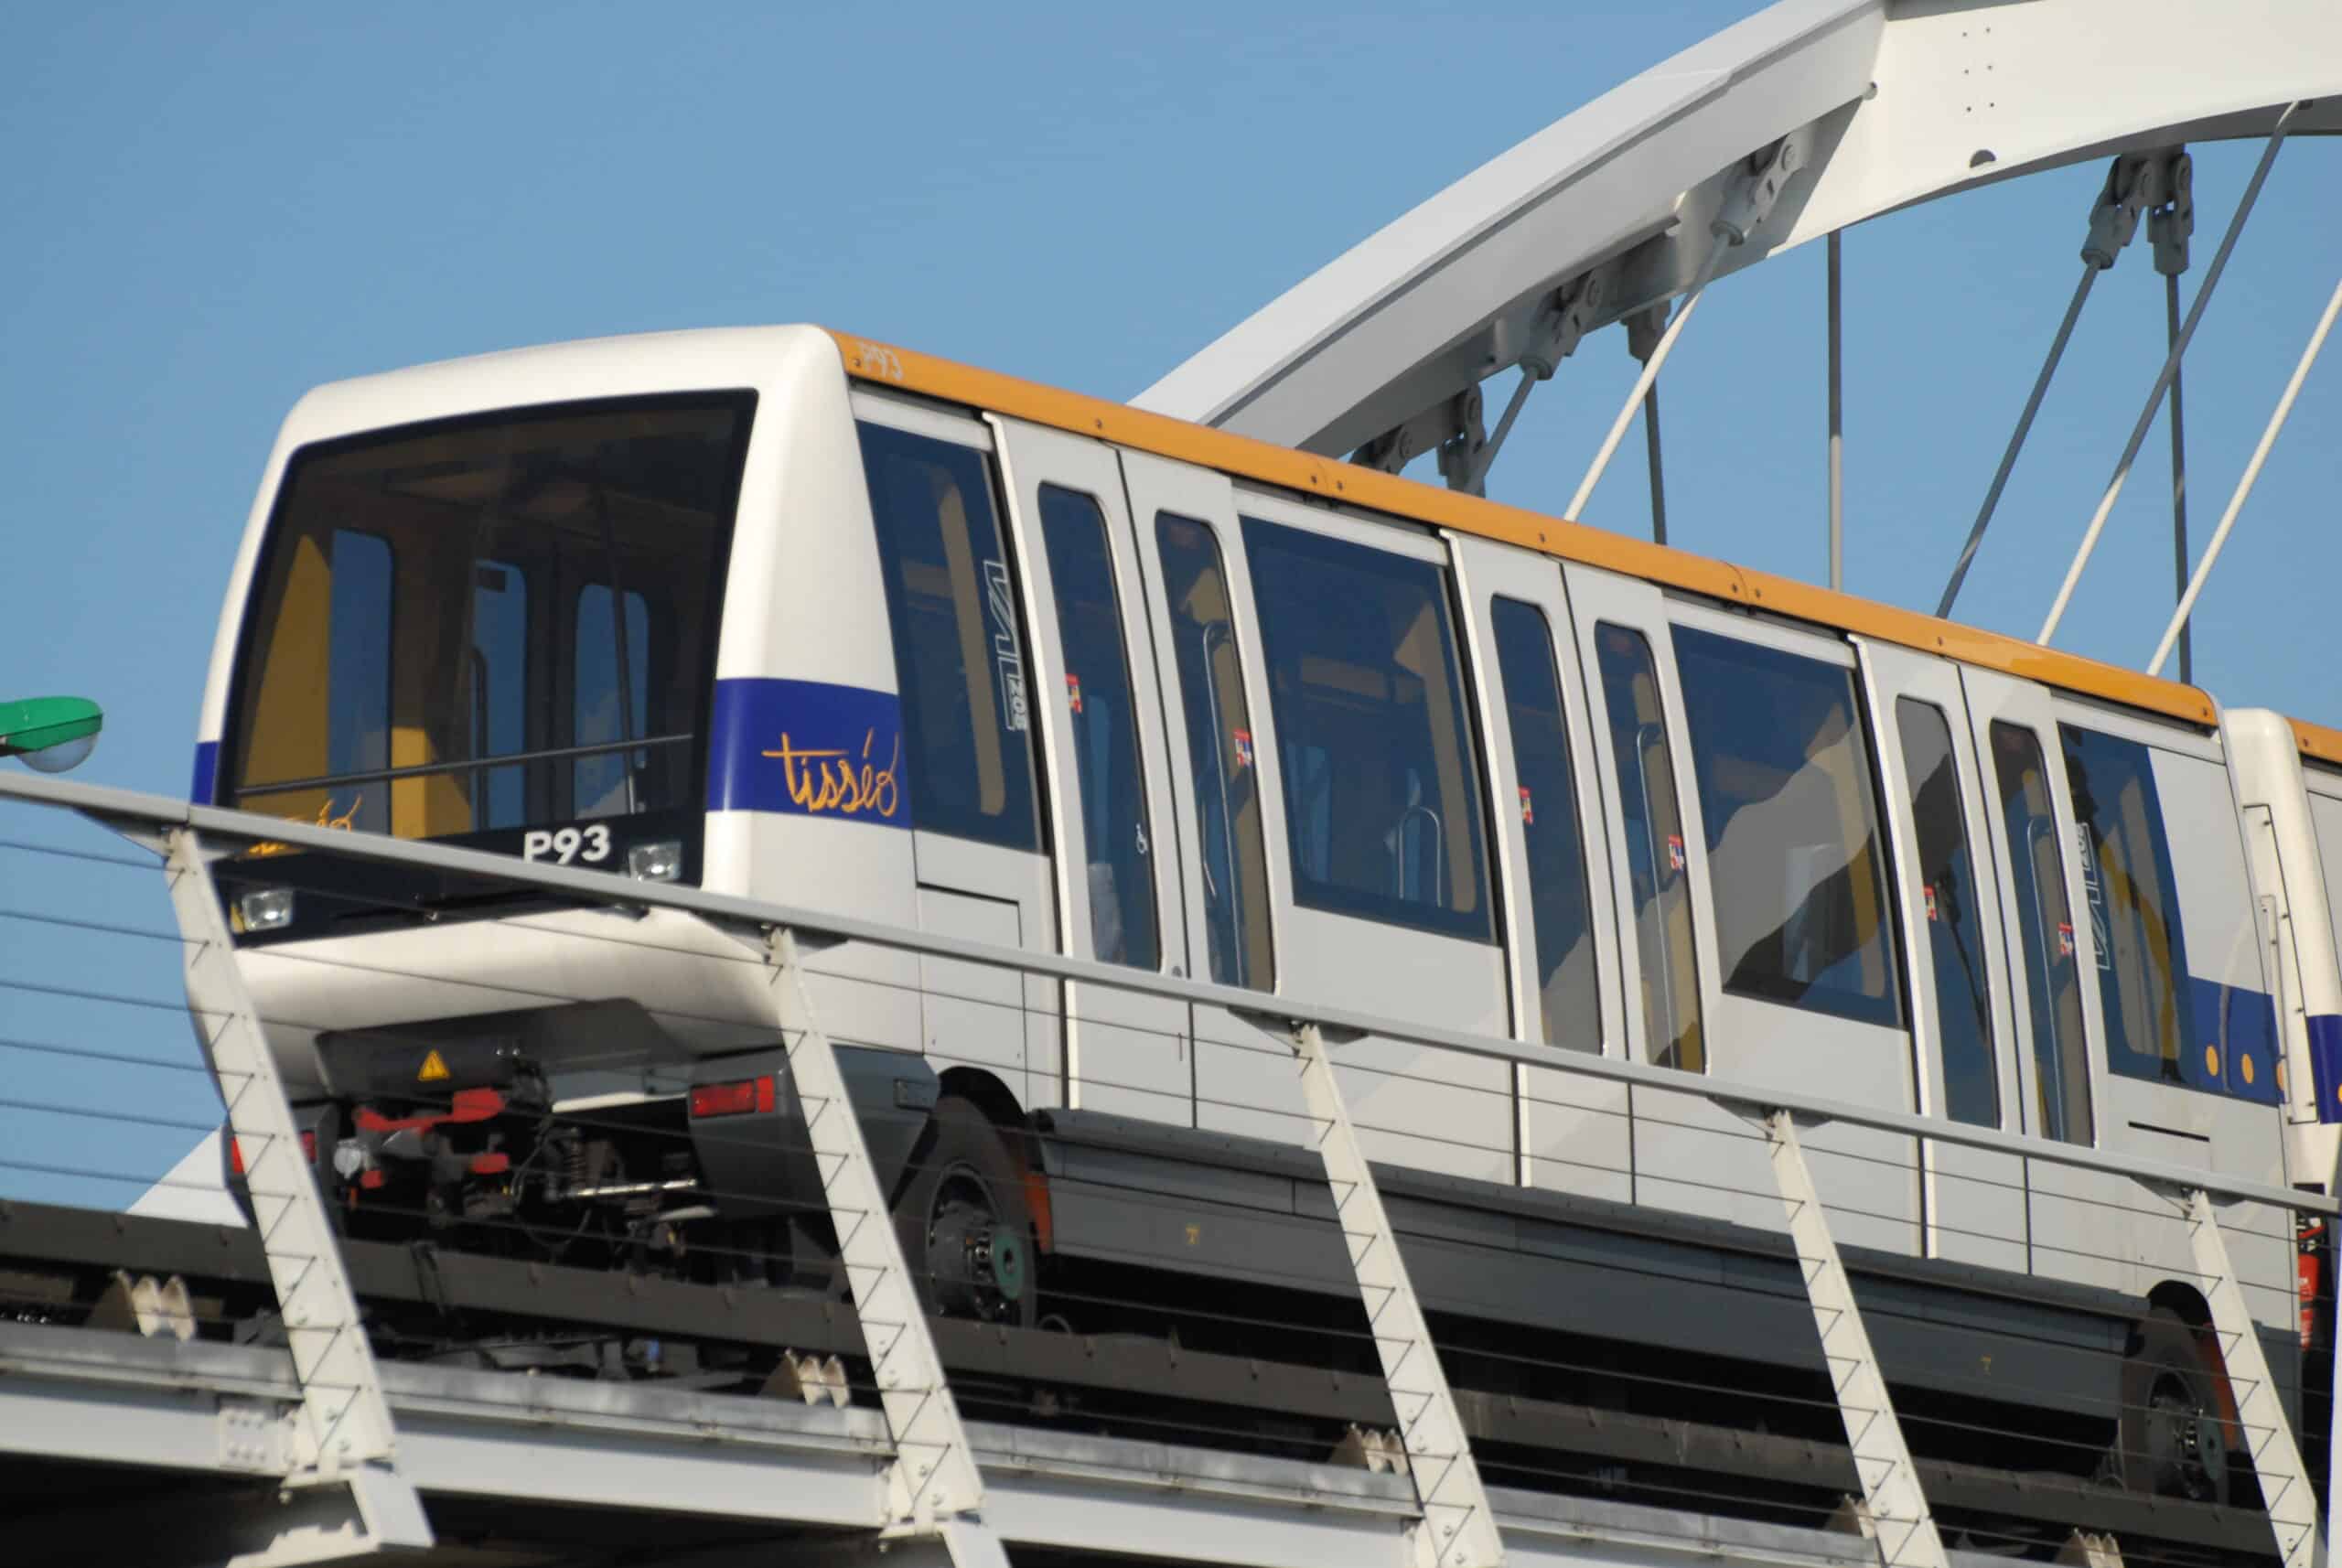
(2163, 1350)
(961, 1137)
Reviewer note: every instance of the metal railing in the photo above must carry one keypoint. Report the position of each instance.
(935, 1487)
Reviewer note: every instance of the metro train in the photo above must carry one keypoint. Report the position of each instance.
(805, 618)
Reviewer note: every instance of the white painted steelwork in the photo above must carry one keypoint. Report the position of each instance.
(1893, 1504)
(342, 1434)
(1459, 1530)
(2260, 1412)
(932, 1487)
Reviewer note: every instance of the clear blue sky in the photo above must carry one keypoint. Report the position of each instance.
(208, 210)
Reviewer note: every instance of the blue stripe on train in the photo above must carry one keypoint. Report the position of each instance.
(206, 772)
(2234, 1047)
(2326, 1064)
(808, 747)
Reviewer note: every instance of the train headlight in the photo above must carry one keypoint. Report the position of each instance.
(659, 861)
(265, 909)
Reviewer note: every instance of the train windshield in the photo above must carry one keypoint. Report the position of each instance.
(480, 629)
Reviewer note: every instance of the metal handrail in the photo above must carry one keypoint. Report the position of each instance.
(119, 807)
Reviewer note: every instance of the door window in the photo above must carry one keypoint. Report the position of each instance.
(2161, 1024)
(2045, 933)
(1549, 824)
(1950, 898)
(1655, 859)
(1382, 781)
(1792, 827)
(1117, 844)
(958, 654)
(1219, 752)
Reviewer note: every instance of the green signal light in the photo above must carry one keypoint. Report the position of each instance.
(51, 733)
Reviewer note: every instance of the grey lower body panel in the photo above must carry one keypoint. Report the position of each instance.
(1240, 1209)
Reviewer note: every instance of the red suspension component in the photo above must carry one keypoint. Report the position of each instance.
(469, 1105)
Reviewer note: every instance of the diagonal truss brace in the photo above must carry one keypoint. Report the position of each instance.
(1897, 1508)
(933, 1487)
(343, 1433)
(1457, 1529)
(2259, 1413)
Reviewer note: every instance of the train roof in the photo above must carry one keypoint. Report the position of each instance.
(368, 400)
(889, 365)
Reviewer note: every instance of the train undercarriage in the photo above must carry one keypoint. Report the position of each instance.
(684, 1238)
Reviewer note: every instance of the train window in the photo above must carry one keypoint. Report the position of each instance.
(612, 700)
(1792, 827)
(2131, 888)
(358, 667)
(1381, 781)
(1219, 752)
(1549, 824)
(1105, 730)
(499, 691)
(445, 590)
(958, 654)
(2046, 932)
(1949, 893)
(1654, 833)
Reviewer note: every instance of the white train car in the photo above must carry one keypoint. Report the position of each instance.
(827, 622)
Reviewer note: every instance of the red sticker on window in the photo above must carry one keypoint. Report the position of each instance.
(1527, 812)
(1244, 739)
(1675, 851)
(2065, 938)
(1931, 891)
(1073, 691)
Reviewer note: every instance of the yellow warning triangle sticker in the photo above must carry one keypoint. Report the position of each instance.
(435, 1068)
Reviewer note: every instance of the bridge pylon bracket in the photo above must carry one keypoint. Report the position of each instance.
(342, 1434)
(934, 1490)
(1897, 1511)
(2259, 1413)
(1457, 1529)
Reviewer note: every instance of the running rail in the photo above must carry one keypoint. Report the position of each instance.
(935, 1491)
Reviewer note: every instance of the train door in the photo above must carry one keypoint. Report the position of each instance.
(1378, 823)
(1794, 889)
(968, 760)
(2082, 1225)
(2177, 953)
(1555, 863)
(1101, 724)
(1949, 901)
(1207, 657)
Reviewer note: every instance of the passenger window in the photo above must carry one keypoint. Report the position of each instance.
(1381, 781)
(499, 692)
(1549, 824)
(1654, 833)
(958, 654)
(2131, 888)
(1219, 752)
(1105, 730)
(358, 675)
(1949, 897)
(2046, 932)
(1792, 827)
(610, 707)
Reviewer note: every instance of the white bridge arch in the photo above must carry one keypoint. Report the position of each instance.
(1889, 105)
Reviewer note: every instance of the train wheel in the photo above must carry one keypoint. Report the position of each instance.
(966, 1230)
(2171, 1441)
